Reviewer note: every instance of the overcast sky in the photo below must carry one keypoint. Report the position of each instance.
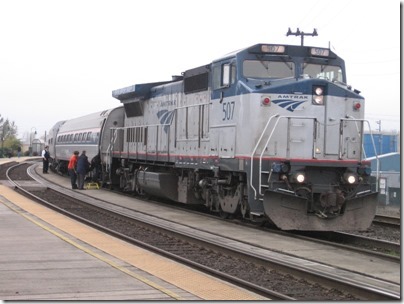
(62, 59)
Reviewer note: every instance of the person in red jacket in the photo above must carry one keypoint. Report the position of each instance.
(72, 168)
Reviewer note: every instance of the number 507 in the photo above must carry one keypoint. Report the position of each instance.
(228, 110)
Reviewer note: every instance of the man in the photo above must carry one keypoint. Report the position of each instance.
(45, 160)
(83, 167)
(72, 168)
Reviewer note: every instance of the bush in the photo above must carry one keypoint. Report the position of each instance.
(5, 152)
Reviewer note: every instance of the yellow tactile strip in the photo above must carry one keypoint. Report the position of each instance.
(197, 283)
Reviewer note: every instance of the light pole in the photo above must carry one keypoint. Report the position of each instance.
(30, 140)
(379, 122)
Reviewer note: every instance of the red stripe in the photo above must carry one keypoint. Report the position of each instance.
(183, 156)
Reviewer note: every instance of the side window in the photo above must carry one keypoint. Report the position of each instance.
(224, 75)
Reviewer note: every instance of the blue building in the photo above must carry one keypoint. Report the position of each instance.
(384, 143)
(389, 178)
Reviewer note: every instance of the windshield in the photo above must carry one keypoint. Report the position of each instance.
(329, 72)
(268, 69)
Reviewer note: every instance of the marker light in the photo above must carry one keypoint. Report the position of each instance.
(364, 170)
(357, 106)
(280, 168)
(266, 101)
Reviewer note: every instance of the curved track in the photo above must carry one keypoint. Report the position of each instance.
(282, 262)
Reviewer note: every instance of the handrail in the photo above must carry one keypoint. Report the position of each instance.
(110, 146)
(259, 142)
(373, 142)
(357, 129)
(266, 144)
(255, 149)
(269, 138)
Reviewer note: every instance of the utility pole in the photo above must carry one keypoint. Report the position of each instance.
(379, 122)
(301, 34)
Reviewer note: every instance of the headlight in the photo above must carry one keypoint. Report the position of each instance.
(318, 91)
(318, 95)
(298, 177)
(350, 178)
(319, 100)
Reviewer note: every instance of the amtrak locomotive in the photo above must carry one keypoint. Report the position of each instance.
(270, 132)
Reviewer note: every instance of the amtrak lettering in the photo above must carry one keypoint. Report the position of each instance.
(167, 103)
(293, 97)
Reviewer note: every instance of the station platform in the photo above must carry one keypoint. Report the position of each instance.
(48, 256)
(369, 271)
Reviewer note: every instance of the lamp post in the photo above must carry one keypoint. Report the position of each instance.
(30, 140)
(379, 122)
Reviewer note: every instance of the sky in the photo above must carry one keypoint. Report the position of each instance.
(62, 59)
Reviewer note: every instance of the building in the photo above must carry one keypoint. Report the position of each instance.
(384, 143)
(389, 178)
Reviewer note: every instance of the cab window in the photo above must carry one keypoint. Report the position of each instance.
(224, 75)
(268, 69)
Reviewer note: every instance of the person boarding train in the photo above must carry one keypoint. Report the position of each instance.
(83, 166)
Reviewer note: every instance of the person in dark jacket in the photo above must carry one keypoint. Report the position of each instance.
(45, 159)
(83, 166)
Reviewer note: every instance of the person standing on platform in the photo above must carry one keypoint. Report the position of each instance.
(83, 167)
(72, 168)
(45, 160)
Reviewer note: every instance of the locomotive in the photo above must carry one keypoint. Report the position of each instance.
(271, 133)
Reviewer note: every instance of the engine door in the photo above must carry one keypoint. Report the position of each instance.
(334, 111)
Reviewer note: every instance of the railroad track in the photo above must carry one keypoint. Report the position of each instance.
(387, 220)
(292, 280)
(371, 246)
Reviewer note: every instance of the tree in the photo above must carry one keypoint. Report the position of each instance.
(8, 133)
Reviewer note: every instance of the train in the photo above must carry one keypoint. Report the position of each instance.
(268, 133)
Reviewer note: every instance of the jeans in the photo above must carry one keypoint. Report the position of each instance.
(73, 178)
(80, 180)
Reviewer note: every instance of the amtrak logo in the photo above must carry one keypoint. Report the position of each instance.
(288, 103)
(166, 118)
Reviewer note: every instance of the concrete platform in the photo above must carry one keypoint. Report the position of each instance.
(47, 256)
